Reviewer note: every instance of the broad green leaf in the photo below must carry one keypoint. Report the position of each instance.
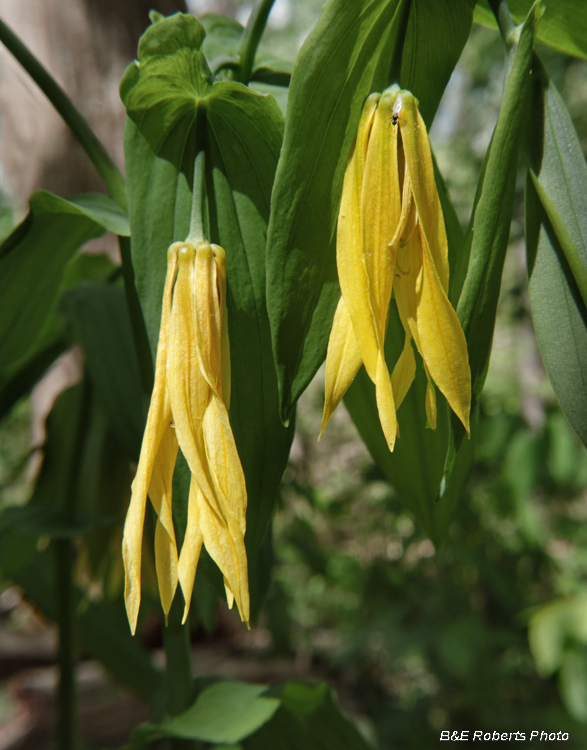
(308, 718)
(226, 712)
(488, 231)
(556, 241)
(564, 25)
(53, 343)
(352, 52)
(98, 318)
(32, 263)
(240, 132)
(416, 467)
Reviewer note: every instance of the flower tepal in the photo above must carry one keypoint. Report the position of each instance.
(189, 410)
(391, 236)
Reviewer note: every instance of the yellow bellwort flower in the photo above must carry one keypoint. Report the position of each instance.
(391, 236)
(189, 410)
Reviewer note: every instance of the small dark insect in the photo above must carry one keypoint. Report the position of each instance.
(394, 119)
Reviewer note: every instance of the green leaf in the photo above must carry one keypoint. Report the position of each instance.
(96, 206)
(226, 712)
(32, 263)
(556, 242)
(552, 627)
(223, 39)
(98, 317)
(308, 718)
(24, 378)
(53, 341)
(563, 27)
(240, 132)
(348, 55)
(416, 467)
(488, 231)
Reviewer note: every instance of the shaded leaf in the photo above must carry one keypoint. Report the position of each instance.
(308, 718)
(416, 467)
(32, 263)
(556, 233)
(98, 317)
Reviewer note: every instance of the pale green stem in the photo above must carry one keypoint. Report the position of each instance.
(199, 204)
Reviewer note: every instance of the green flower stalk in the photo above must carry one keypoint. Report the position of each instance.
(391, 238)
(189, 410)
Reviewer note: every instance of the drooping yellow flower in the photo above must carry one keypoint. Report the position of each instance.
(391, 235)
(189, 410)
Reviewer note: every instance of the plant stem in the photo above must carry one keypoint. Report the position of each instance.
(78, 125)
(199, 204)
(251, 38)
(178, 655)
(139, 331)
(66, 650)
(67, 728)
(507, 27)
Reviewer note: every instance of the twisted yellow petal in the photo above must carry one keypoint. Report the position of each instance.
(192, 546)
(364, 255)
(420, 169)
(158, 419)
(343, 360)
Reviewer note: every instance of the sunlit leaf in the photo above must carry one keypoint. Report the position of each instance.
(225, 712)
